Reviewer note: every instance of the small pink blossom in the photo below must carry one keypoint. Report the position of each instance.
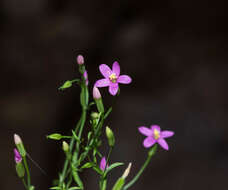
(112, 78)
(103, 164)
(17, 156)
(155, 135)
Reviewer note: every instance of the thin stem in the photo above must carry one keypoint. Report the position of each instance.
(140, 171)
(23, 180)
(27, 172)
(63, 175)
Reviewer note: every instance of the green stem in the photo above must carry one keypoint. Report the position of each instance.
(142, 168)
(63, 175)
(23, 180)
(27, 172)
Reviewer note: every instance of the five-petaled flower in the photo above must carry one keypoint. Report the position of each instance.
(155, 135)
(103, 164)
(112, 78)
(17, 156)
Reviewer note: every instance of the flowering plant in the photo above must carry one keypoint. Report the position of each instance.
(84, 153)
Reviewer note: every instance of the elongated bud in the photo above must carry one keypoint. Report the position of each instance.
(17, 156)
(17, 139)
(80, 59)
(85, 75)
(65, 146)
(66, 84)
(98, 99)
(110, 136)
(96, 93)
(19, 145)
(127, 171)
(20, 170)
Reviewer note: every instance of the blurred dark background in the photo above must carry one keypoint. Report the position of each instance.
(176, 53)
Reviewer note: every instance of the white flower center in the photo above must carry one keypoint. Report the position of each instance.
(156, 134)
(113, 77)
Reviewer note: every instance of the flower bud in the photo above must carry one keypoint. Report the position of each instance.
(54, 136)
(66, 84)
(127, 171)
(65, 146)
(17, 139)
(19, 145)
(20, 170)
(96, 93)
(80, 59)
(85, 75)
(17, 156)
(110, 136)
(94, 115)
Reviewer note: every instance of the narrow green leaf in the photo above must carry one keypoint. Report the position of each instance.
(108, 112)
(73, 188)
(119, 184)
(55, 187)
(117, 164)
(98, 170)
(87, 165)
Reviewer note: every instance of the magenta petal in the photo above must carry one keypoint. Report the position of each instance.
(124, 79)
(103, 164)
(155, 127)
(116, 68)
(113, 88)
(102, 83)
(166, 134)
(163, 143)
(145, 131)
(148, 142)
(105, 70)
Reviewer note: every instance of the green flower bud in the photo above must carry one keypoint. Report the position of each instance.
(67, 84)
(94, 115)
(20, 170)
(110, 136)
(55, 136)
(65, 146)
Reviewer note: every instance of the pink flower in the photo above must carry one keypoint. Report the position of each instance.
(17, 156)
(112, 78)
(103, 164)
(155, 135)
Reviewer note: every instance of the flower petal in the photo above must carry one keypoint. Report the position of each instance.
(124, 79)
(163, 143)
(105, 70)
(145, 131)
(148, 142)
(116, 68)
(113, 88)
(102, 83)
(155, 127)
(166, 134)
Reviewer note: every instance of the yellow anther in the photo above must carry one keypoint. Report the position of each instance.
(156, 134)
(113, 77)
